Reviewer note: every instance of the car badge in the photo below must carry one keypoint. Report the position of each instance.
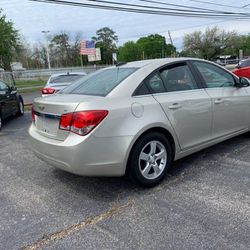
(41, 108)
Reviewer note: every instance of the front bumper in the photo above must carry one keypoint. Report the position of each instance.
(83, 155)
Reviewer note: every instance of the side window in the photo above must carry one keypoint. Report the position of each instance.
(155, 84)
(142, 90)
(214, 76)
(178, 78)
(3, 86)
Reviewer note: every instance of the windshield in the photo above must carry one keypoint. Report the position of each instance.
(64, 78)
(100, 82)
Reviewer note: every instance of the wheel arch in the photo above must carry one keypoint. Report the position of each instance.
(158, 129)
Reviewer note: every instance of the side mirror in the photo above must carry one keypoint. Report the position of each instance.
(13, 88)
(243, 82)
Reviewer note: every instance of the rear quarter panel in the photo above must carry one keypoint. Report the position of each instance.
(130, 116)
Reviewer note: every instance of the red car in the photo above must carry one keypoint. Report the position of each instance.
(243, 69)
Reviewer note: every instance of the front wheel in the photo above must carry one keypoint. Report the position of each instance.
(150, 159)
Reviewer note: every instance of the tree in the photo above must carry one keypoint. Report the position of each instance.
(244, 42)
(130, 51)
(60, 47)
(210, 44)
(154, 46)
(106, 39)
(9, 42)
(149, 47)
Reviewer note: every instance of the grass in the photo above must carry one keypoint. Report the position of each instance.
(29, 83)
(30, 90)
(27, 108)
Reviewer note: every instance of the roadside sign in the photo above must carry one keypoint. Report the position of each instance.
(114, 57)
(96, 57)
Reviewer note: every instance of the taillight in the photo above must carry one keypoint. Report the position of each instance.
(33, 114)
(48, 91)
(65, 121)
(82, 122)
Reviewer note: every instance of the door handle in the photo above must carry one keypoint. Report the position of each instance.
(175, 106)
(218, 101)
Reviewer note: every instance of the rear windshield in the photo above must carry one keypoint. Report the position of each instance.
(100, 82)
(64, 78)
(244, 63)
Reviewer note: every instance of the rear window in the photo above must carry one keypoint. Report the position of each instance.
(64, 78)
(99, 83)
(244, 63)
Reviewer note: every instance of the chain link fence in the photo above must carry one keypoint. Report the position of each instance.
(43, 74)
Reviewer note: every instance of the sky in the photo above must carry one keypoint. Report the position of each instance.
(30, 18)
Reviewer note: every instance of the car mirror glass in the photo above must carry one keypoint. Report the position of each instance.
(244, 82)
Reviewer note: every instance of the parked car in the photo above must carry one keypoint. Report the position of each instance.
(243, 69)
(11, 103)
(138, 117)
(59, 81)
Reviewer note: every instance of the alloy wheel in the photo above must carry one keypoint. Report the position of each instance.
(152, 160)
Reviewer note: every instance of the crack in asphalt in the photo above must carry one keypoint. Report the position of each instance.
(115, 209)
(46, 239)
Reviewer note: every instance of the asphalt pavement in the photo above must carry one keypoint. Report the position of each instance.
(204, 202)
(28, 98)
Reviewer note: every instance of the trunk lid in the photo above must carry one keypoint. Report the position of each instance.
(49, 109)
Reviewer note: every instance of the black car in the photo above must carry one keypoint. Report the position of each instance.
(11, 103)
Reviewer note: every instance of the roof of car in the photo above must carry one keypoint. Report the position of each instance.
(143, 63)
(68, 74)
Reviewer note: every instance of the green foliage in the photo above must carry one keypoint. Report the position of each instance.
(65, 50)
(152, 46)
(106, 39)
(9, 42)
(130, 51)
(212, 43)
(245, 44)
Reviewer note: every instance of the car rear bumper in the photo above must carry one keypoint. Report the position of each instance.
(87, 156)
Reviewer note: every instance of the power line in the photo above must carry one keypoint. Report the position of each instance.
(176, 12)
(216, 4)
(177, 5)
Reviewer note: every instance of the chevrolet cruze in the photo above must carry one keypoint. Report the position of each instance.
(136, 118)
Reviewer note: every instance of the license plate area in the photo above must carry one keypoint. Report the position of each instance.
(47, 123)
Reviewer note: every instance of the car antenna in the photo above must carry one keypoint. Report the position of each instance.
(120, 64)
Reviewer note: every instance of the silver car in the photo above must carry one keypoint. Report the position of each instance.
(138, 117)
(59, 81)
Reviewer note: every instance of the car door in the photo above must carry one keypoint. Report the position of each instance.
(4, 100)
(185, 103)
(231, 105)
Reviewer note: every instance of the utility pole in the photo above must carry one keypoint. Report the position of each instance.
(171, 41)
(162, 48)
(47, 47)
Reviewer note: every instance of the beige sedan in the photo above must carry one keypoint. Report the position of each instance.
(136, 118)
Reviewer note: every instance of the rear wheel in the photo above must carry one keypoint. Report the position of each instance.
(150, 159)
(20, 111)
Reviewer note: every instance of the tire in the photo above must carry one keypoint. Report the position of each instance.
(149, 159)
(20, 111)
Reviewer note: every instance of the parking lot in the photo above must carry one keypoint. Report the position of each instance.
(204, 202)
